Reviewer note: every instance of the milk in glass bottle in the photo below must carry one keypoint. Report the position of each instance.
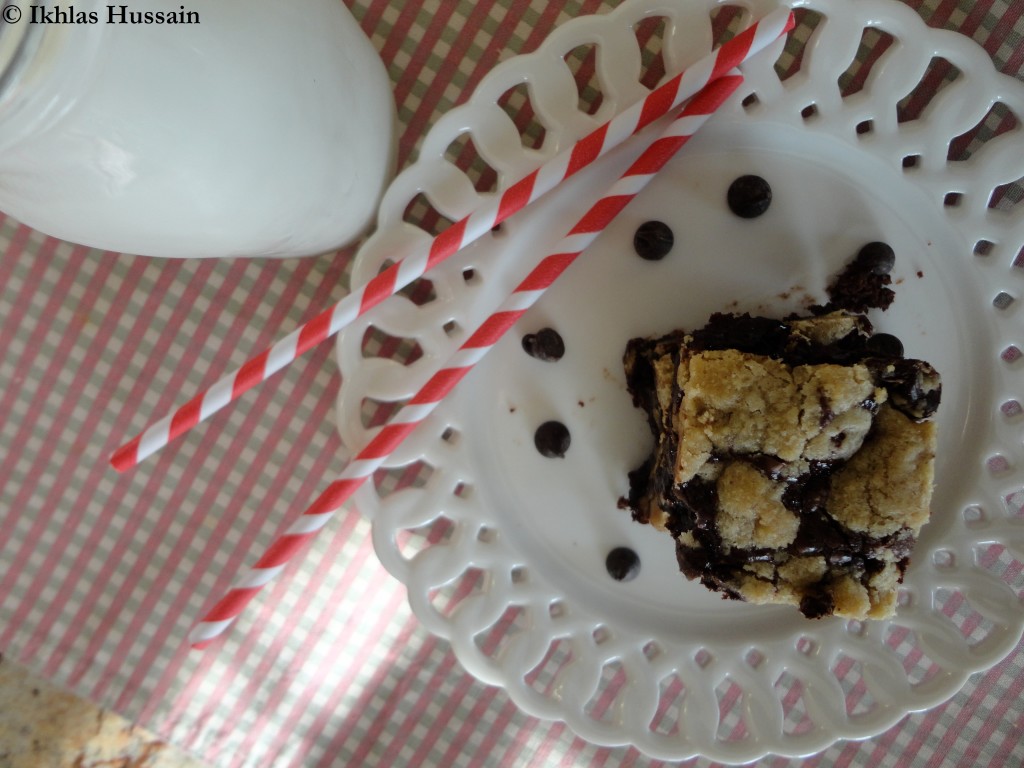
(193, 129)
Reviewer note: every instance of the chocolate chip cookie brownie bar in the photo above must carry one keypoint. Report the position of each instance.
(793, 459)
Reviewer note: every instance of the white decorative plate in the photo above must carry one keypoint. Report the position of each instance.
(503, 550)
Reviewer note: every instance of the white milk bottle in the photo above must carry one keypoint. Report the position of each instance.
(193, 129)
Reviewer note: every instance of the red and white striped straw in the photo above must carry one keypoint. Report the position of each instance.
(370, 458)
(456, 237)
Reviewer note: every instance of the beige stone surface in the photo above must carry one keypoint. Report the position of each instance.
(42, 726)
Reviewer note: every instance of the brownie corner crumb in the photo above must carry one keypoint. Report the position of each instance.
(864, 283)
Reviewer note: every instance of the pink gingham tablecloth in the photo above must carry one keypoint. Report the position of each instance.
(101, 575)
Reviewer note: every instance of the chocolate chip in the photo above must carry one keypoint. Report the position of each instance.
(816, 606)
(623, 564)
(914, 388)
(546, 344)
(877, 257)
(749, 196)
(552, 439)
(653, 240)
(884, 345)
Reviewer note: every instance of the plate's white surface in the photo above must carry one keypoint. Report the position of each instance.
(503, 550)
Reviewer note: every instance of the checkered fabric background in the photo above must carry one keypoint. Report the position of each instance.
(103, 574)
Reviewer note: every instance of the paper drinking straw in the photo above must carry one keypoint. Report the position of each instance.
(369, 459)
(520, 194)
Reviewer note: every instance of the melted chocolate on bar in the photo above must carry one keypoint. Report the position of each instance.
(714, 564)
